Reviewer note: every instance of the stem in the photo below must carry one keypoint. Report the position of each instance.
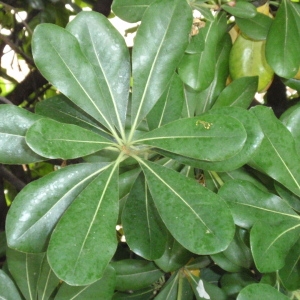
(217, 177)
(180, 287)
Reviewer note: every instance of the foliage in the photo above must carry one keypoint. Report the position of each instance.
(174, 187)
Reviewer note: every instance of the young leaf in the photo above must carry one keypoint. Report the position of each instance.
(101, 289)
(240, 92)
(277, 155)
(25, 269)
(260, 291)
(8, 290)
(282, 52)
(84, 239)
(53, 139)
(241, 9)
(14, 122)
(135, 274)
(130, 10)
(38, 207)
(169, 290)
(144, 231)
(210, 137)
(69, 70)
(107, 52)
(186, 208)
(153, 62)
(256, 28)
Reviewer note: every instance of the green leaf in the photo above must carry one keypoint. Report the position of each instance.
(38, 207)
(233, 283)
(277, 155)
(240, 92)
(197, 70)
(288, 196)
(290, 273)
(241, 9)
(53, 139)
(270, 247)
(69, 70)
(256, 28)
(249, 204)
(47, 282)
(207, 97)
(174, 257)
(84, 239)
(135, 274)
(107, 52)
(282, 52)
(169, 290)
(143, 294)
(14, 122)
(61, 109)
(208, 137)
(260, 291)
(130, 10)
(169, 106)
(254, 139)
(291, 119)
(292, 83)
(270, 239)
(25, 269)
(102, 289)
(8, 290)
(153, 62)
(186, 208)
(144, 231)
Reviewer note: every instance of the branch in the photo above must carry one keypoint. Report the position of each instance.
(5, 100)
(11, 178)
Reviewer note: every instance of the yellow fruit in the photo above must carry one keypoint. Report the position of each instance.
(247, 58)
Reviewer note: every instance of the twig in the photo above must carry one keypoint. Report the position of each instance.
(11, 178)
(5, 100)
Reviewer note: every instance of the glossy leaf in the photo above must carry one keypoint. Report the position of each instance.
(174, 257)
(153, 63)
(107, 52)
(47, 281)
(130, 10)
(291, 119)
(142, 294)
(61, 109)
(84, 239)
(8, 290)
(134, 274)
(169, 107)
(208, 137)
(241, 9)
(100, 290)
(281, 50)
(290, 273)
(144, 231)
(254, 139)
(70, 71)
(207, 97)
(277, 155)
(270, 247)
(53, 139)
(36, 209)
(260, 291)
(270, 239)
(288, 196)
(14, 122)
(169, 290)
(240, 92)
(25, 269)
(197, 70)
(189, 218)
(256, 28)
